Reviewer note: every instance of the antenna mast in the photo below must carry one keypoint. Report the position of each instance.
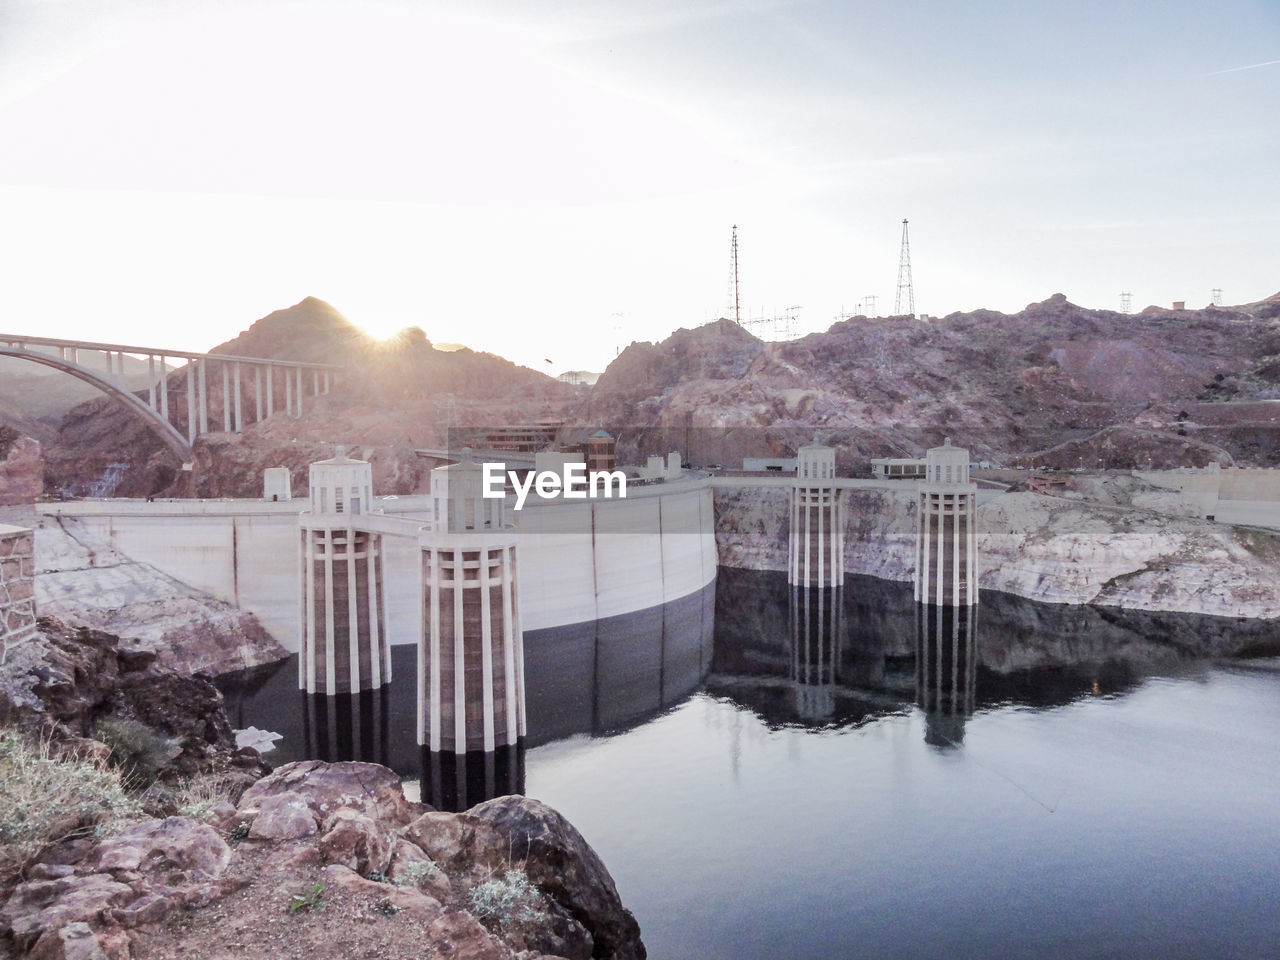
(904, 278)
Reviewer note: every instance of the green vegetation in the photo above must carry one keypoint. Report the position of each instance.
(45, 799)
(412, 874)
(510, 899)
(314, 900)
(197, 798)
(137, 750)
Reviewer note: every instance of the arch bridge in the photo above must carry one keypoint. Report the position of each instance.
(249, 389)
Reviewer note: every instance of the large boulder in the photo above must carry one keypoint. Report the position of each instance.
(172, 851)
(46, 906)
(325, 788)
(563, 865)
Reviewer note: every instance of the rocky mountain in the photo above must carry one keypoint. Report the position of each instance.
(390, 398)
(1054, 384)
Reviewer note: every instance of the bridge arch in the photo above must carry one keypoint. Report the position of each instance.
(167, 432)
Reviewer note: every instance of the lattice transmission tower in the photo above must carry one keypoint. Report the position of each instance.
(735, 298)
(1217, 296)
(1126, 302)
(904, 278)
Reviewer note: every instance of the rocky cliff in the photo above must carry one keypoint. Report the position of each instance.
(21, 468)
(82, 580)
(205, 856)
(1114, 541)
(1055, 383)
(391, 397)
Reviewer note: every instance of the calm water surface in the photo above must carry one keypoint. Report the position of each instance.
(773, 790)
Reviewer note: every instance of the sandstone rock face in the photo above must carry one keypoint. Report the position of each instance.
(81, 579)
(1115, 542)
(283, 816)
(1074, 551)
(336, 863)
(172, 851)
(325, 788)
(72, 680)
(21, 471)
(357, 842)
(43, 906)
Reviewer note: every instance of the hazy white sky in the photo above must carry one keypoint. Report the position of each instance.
(548, 180)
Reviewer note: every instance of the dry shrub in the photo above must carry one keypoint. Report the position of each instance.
(44, 800)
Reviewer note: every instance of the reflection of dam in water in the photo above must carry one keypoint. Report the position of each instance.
(592, 678)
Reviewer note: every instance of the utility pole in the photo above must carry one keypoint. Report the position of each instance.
(904, 278)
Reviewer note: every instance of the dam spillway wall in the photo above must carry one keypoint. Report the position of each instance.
(581, 561)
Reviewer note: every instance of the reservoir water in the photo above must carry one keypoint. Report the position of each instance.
(767, 779)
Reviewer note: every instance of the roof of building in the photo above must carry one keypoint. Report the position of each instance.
(339, 458)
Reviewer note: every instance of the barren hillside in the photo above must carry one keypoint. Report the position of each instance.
(1055, 384)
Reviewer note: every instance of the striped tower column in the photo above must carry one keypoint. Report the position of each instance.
(471, 700)
(343, 644)
(816, 542)
(946, 539)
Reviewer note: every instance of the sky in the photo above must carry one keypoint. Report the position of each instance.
(550, 181)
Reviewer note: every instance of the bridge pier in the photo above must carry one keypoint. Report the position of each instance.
(203, 388)
(238, 399)
(191, 401)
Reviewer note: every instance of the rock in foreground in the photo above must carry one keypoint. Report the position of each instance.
(327, 861)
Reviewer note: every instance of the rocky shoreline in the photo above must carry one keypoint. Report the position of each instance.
(214, 853)
(1110, 541)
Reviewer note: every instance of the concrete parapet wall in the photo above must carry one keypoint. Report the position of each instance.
(17, 586)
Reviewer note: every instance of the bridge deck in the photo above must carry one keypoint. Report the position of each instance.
(25, 340)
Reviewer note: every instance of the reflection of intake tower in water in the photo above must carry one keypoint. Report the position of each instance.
(816, 641)
(349, 726)
(946, 543)
(343, 646)
(946, 669)
(471, 657)
(816, 555)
